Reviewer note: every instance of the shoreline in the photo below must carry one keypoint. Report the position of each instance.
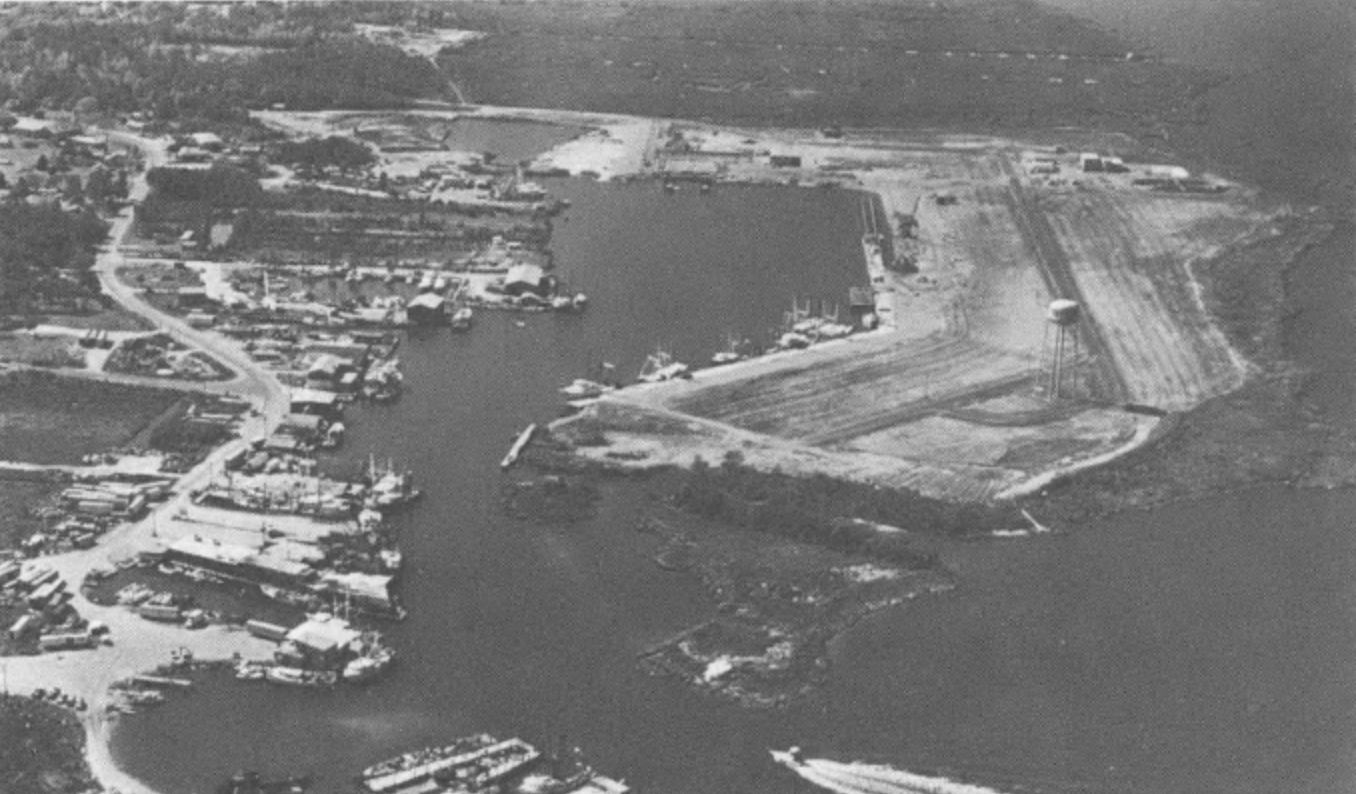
(88, 674)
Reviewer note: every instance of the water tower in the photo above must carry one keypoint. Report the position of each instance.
(1061, 319)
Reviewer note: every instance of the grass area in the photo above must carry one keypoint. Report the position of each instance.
(112, 318)
(45, 418)
(43, 749)
(41, 351)
(18, 501)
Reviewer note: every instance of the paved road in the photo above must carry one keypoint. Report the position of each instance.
(138, 644)
(252, 381)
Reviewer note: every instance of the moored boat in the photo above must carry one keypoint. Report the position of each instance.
(296, 676)
(660, 366)
(583, 388)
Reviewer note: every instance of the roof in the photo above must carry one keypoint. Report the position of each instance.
(315, 396)
(328, 362)
(428, 300)
(212, 550)
(369, 585)
(304, 421)
(529, 274)
(323, 635)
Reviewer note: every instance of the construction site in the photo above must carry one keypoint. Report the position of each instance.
(1035, 308)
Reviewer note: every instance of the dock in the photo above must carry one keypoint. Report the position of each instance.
(157, 681)
(519, 445)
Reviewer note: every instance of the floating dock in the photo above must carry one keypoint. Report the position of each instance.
(519, 445)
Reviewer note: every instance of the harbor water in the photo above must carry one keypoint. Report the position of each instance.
(1204, 646)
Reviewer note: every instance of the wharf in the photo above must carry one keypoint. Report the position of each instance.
(519, 445)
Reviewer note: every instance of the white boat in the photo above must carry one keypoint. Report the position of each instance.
(583, 388)
(426, 283)
(731, 353)
(461, 318)
(296, 676)
(440, 283)
(660, 366)
(368, 667)
(250, 671)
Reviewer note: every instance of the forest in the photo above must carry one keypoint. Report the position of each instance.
(184, 65)
(38, 243)
(832, 513)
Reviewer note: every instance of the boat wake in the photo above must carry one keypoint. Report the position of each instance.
(859, 778)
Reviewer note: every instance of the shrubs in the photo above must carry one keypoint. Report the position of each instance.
(825, 511)
(342, 153)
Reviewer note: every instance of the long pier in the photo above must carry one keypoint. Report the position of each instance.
(519, 445)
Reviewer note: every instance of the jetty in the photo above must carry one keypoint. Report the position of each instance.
(524, 438)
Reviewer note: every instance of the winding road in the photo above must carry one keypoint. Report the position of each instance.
(139, 644)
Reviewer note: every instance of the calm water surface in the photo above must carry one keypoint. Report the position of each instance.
(1204, 647)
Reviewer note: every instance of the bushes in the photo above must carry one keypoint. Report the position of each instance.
(36, 242)
(821, 510)
(343, 153)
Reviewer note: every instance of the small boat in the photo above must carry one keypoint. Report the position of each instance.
(250, 671)
(461, 318)
(583, 388)
(520, 323)
(465, 746)
(731, 353)
(288, 597)
(367, 667)
(296, 676)
(440, 283)
(660, 366)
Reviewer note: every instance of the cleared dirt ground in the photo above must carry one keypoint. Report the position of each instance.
(953, 397)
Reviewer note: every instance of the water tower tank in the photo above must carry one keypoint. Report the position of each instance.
(1063, 312)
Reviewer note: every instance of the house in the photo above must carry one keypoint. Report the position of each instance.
(207, 140)
(323, 642)
(327, 368)
(314, 401)
(524, 279)
(428, 309)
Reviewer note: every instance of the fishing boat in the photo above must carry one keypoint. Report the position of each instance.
(296, 676)
(660, 366)
(289, 597)
(368, 666)
(462, 747)
(389, 488)
(250, 671)
(583, 388)
(731, 353)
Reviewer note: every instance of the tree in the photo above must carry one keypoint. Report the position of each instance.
(98, 185)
